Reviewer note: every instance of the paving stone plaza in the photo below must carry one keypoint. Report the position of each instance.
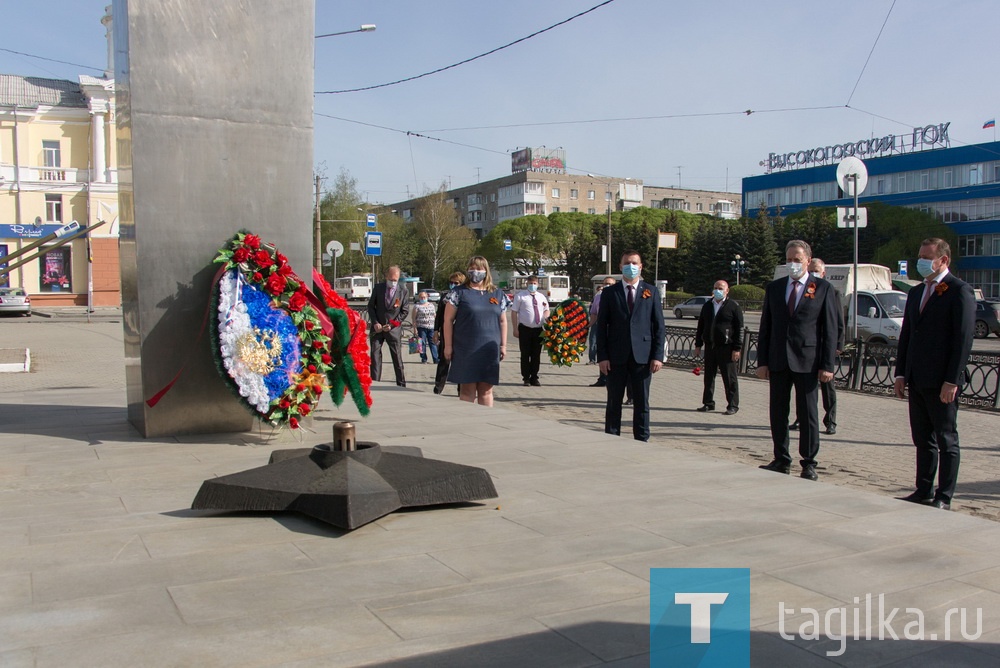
(104, 564)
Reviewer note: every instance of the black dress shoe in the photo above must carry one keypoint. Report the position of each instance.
(705, 409)
(535, 383)
(917, 497)
(731, 411)
(831, 430)
(941, 503)
(437, 390)
(776, 466)
(598, 384)
(794, 426)
(809, 473)
(526, 383)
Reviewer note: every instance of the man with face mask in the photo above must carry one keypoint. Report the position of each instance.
(530, 311)
(934, 345)
(797, 349)
(387, 310)
(630, 337)
(720, 330)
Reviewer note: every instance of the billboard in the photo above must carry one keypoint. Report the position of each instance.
(552, 160)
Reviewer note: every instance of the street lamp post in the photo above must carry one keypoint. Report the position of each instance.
(738, 266)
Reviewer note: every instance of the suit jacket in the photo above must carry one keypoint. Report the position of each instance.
(841, 329)
(640, 334)
(722, 329)
(934, 346)
(380, 312)
(806, 341)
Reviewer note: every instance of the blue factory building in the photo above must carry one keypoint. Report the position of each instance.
(958, 185)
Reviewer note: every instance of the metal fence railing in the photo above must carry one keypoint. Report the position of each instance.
(863, 367)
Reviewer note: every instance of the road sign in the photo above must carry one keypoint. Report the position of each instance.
(903, 265)
(847, 167)
(335, 248)
(373, 243)
(355, 246)
(507, 245)
(371, 219)
(845, 217)
(667, 240)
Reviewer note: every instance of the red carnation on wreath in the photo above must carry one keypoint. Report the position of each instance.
(348, 350)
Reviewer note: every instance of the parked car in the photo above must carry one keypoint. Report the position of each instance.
(987, 318)
(15, 300)
(691, 307)
(432, 295)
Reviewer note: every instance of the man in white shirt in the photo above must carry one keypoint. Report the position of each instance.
(530, 311)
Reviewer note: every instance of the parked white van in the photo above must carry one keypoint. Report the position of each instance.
(354, 288)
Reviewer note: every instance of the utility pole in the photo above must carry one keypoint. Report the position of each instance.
(679, 176)
(317, 234)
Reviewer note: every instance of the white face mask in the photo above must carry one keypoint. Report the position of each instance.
(391, 283)
(795, 270)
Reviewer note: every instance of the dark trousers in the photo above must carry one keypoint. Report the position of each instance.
(829, 394)
(806, 396)
(441, 377)
(529, 342)
(720, 359)
(392, 338)
(636, 378)
(934, 427)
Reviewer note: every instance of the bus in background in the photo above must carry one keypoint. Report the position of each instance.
(354, 288)
(554, 286)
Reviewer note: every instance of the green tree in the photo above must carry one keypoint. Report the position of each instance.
(534, 244)
(340, 204)
(444, 245)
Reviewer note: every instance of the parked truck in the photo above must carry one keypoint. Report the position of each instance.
(880, 307)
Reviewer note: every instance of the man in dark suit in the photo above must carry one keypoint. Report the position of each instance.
(797, 348)
(720, 331)
(630, 337)
(828, 391)
(387, 310)
(934, 345)
(441, 377)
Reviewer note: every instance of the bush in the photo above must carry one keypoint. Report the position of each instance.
(673, 298)
(746, 293)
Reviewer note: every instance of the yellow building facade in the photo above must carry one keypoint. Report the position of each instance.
(57, 165)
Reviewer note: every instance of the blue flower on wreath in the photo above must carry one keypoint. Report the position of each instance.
(282, 335)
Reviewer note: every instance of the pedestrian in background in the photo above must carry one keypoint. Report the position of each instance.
(475, 333)
(796, 349)
(934, 345)
(720, 331)
(828, 391)
(602, 380)
(423, 325)
(630, 339)
(529, 312)
(441, 377)
(387, 310)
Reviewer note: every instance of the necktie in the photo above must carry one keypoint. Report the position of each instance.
(631, 297)
(792, 298)
(388, 295)
(538, 316)
(928, 289)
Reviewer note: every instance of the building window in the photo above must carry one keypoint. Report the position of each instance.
(699, 209)
(555, 193)
(607, 195)
(534, 188)
(52, 157)
(573, 209)
(591, 210)
(881, 186)
(54, 274)
(591, 194)
(53, 208)
(555, 209)
(493, 197)
(574, 193)
(534, 208)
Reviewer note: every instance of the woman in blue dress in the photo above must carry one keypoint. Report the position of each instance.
(475, 333)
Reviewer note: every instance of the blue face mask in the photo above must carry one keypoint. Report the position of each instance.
(925, 267)
(452, 286)
(630, 270)
(718, 294)
(532, 287)
(422, 301)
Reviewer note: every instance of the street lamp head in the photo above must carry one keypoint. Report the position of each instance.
(367, 27)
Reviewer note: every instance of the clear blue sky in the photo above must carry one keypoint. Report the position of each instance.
(632, 58)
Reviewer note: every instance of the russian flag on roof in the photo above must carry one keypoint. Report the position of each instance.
(992, 123)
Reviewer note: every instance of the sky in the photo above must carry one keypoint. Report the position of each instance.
(646, 89)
